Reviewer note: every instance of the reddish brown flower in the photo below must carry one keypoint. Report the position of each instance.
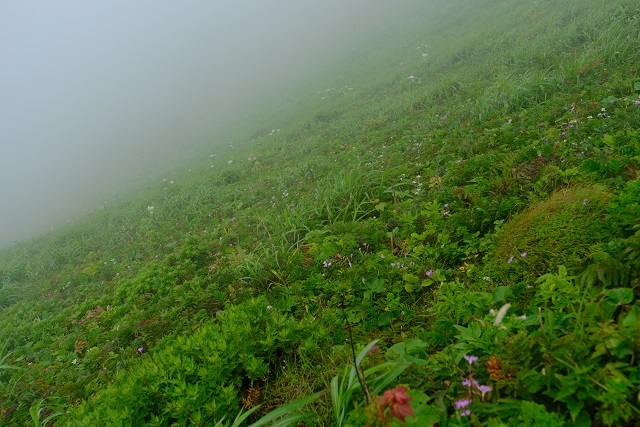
(397, 400)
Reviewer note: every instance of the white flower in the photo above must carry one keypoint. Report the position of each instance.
(150, 208)
(75, 361)
(501, 313)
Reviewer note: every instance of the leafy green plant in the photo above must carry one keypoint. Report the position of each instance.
(36, 412)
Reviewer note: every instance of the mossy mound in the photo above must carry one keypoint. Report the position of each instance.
(559, 230)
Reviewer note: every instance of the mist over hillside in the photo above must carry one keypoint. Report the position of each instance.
(99, 98)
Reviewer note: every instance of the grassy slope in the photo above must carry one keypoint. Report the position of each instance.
(518, 134)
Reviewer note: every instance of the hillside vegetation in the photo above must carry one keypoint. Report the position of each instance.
(447, 232)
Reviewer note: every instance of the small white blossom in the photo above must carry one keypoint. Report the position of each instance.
(501, 313)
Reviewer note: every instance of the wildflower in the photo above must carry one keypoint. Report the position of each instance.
(500, 314)
(523, 254)
(471, 358)
(269, 307)
(637, 102)
(484, 389)
(510, 260)
(150, 209)
(326, 263)
(428, 273)
(465, 412)
(75, 361)
(462, 403)
(140, 349)
(397, 400)
(585, 201)
(510, 121)
(446, 213)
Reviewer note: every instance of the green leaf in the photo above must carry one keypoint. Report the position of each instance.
(609, 140)
(411, 278)
(375, 285)
(285, 412)
(575, 406)
(636, 86)
(620, 296)
(631, 319)
(609, 101)
(501, 293)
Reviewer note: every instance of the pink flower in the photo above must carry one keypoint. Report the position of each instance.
(471, 358)
(484, 389)
(459, 404)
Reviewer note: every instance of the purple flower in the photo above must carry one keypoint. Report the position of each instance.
(428, 273)
(465, 412)
(470, 358)
(459, 404)
(523, 254)
(140, 349)
(326, 264)
(484, 389)
(510, 260)
(585, 201)
(446, 213)
(446, 205)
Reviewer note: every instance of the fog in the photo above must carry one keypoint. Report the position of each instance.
(96, 95)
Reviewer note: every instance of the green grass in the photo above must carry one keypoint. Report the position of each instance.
(385, 207)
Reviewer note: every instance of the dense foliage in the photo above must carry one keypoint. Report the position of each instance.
(449, 234)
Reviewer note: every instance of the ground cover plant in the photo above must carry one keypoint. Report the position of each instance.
(446, 233)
